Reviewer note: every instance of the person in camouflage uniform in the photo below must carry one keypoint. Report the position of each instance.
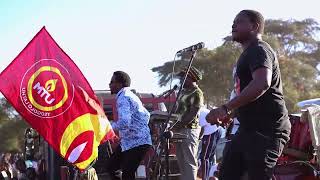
(189, 104)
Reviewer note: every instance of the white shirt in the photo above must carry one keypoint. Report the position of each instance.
(236, 123)
(207, 127)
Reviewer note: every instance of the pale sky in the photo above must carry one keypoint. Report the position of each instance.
(130, 35)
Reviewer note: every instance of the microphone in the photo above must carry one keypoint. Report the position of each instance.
(195, 47)
(169, 92)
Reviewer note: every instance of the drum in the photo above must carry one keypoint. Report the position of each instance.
(158, 121)
(295, 171)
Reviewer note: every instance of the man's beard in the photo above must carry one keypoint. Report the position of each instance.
(242, 38)
(238, 39)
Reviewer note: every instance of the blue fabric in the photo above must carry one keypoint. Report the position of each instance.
(133, 119)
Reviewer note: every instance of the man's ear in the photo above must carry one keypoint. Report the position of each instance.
(255, 27)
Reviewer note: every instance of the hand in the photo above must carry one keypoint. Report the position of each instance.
(115, 139)
(93, 104)
(217, 116)
(226, 122)
(178, 126)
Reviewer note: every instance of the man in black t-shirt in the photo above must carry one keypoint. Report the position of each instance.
(259, 105)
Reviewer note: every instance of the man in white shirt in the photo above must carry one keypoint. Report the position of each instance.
(211, 135)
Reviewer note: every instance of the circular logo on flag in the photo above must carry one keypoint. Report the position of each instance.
(46, 89)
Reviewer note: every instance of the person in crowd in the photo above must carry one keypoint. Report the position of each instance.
(22, 168)
(31, 173)
(210, 134)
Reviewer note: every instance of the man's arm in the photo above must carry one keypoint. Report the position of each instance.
(124, 114)
(189, 116)
(257, 87)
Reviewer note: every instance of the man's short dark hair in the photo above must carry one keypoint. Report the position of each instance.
(123, 78)
(255, 17)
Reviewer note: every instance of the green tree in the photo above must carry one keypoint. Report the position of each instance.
(216, 66)
(298, 52)
(12, 128)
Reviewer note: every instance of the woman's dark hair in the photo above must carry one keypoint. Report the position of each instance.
(31, 173)
(21, 165)
(255, 17)
(122, 78)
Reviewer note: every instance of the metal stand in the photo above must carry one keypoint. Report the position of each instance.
(76, 173)
(166, 133)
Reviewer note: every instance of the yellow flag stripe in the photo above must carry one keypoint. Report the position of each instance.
(86, 122)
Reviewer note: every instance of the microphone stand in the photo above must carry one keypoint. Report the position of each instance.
(166, 133)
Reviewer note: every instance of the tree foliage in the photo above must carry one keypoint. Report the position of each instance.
(298, 52)
(12, 128)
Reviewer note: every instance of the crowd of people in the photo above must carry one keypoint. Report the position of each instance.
(13, 166)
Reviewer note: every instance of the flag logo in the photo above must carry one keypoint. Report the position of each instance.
(46, 89)
(50, 92)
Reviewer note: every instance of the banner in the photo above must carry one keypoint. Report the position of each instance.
(49, 91)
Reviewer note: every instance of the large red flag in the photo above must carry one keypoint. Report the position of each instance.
(46, 87)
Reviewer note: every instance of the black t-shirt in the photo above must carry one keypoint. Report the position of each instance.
(267, 114)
